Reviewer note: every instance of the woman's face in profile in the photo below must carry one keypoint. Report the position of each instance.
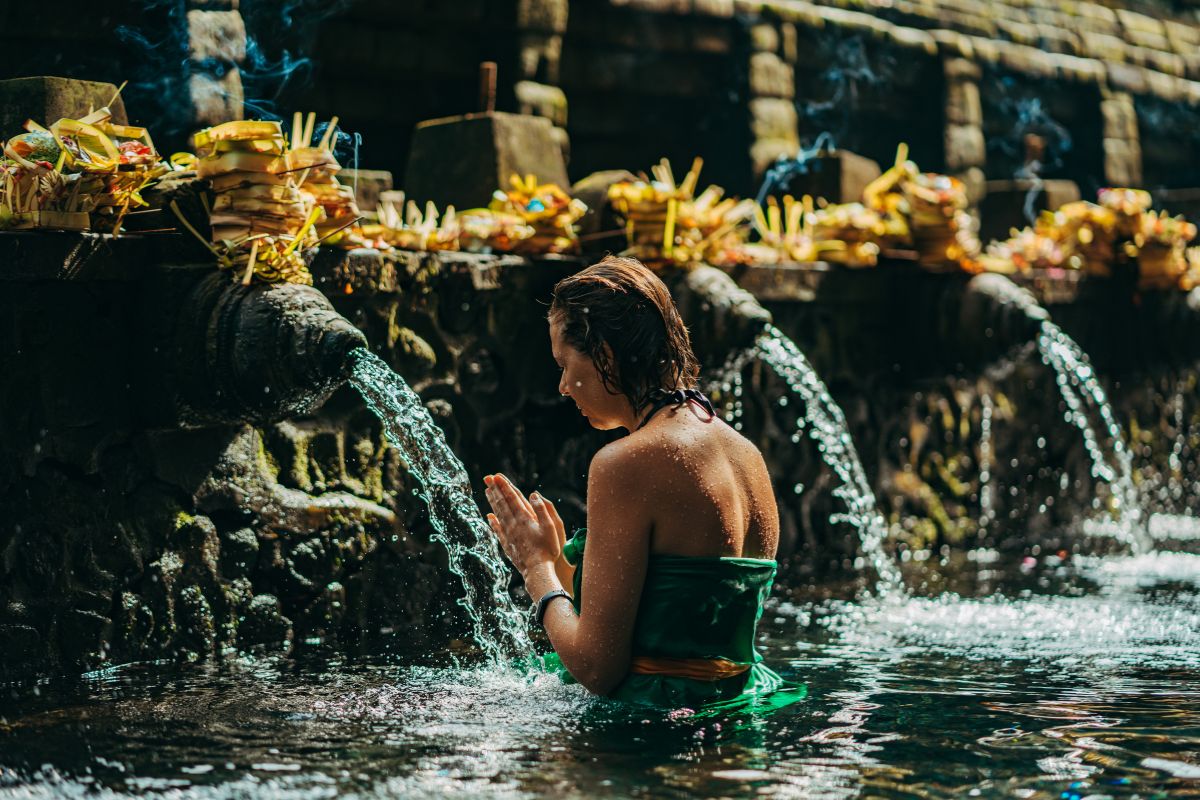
(580, 381)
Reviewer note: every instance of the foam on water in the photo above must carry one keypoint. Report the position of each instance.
(474, 556)
(1118, 626)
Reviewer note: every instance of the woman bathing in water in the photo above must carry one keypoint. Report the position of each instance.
(661, 606)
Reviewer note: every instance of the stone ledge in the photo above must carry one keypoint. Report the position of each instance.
(71, 256)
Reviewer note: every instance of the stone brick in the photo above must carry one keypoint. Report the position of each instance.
(368, 185)
(911, 38)
(772, 118)
(1019, 32)
(1167, 87)
(217, 35)
(1170, 63)
(964, 147)
(542, 100)
(542, 15)
(953, 43)
(764, 37)
(541, 55)
(722, 9)
(1132, 21)
(771, 76)
(790, 42)
(216, 99)
(961, 69)
(1122, 162)
(46, 100)
(764, 152)
(963, 106)
(1120, 117)
(658, 6)
(461, 160)
(1103, 46)
(976, 184)
(1183, 38)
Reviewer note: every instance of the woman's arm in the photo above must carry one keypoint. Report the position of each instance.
(594, 646)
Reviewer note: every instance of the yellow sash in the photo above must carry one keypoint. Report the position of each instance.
(699, 669)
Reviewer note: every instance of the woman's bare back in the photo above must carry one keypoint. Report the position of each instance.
(704, 487)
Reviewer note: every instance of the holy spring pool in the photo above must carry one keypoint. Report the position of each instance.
(1061, 675)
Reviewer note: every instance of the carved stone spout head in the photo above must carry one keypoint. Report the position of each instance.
(258, 353)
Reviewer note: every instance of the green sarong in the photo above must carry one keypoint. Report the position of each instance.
(696, 608)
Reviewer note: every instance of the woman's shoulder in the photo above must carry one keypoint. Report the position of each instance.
(650, 451)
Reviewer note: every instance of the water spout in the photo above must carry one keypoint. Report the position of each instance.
(996, 316)
(721, 316)
(993, 316)
(826, 425)
(257, 353)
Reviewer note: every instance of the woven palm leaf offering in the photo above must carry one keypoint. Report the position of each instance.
(713, 229)
(317, 167)
(860, 230)
(1156, 240)
(1096, 237)
(77, 174)
(650, 208)
(1027, 249)
(542, 207)
(786, 234)
(1191, 276)
(1086, 232)
(405, 226)
(1127, 206)
(927, 209)
(666, 224)
(1161, 243)
(260, 220)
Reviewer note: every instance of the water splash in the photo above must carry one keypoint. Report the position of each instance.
(826, 425)
(1080, 388)
(498, 626)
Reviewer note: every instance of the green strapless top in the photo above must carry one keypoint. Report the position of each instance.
(704, 608)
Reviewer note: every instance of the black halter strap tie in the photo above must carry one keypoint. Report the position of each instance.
(661, 398)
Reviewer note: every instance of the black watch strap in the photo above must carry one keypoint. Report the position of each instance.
(539, 613)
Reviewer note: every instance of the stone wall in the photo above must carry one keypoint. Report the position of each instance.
(735, 81)
(644, 85)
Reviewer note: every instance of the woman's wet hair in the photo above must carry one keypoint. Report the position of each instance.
(621, 303)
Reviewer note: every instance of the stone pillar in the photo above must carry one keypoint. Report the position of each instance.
(216, 49)
(966, 151)
(540, 28)
(1122, 146)
(773, 119)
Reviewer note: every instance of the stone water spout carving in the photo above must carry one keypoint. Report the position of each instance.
(993, 316)
(721, 316)
(258, 353)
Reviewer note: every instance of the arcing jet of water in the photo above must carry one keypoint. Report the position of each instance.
(498, 626)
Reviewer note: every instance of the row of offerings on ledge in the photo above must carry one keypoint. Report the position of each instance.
(276, 194)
